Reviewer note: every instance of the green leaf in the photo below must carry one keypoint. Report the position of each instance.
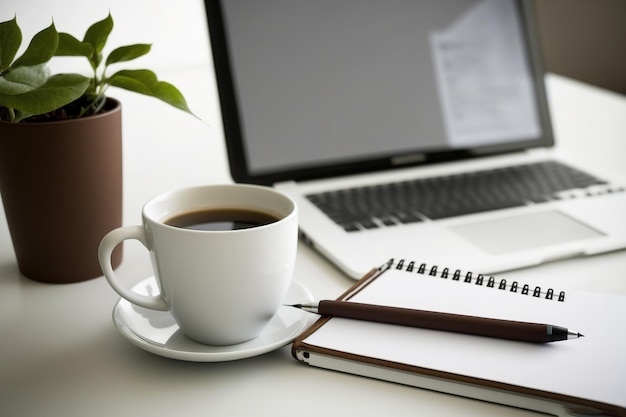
(98, 33)
(23, 79)
(70, 46)
(40, 49)
(56, 92)
(10, 41)
(128, 53)
(97, 36)
(146, 82)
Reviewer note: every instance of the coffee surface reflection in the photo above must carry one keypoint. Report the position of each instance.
(220, 219)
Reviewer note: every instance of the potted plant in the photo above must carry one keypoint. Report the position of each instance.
(61, 149)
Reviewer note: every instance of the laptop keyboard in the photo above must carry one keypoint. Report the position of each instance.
(441, 197)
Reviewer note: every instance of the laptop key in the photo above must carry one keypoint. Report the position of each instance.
(388, 221)
(408, 218)
(369, 224)
(351, 227)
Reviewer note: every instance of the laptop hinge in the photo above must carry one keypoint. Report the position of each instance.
(284, 184)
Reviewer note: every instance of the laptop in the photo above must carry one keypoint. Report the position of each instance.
(406, 129)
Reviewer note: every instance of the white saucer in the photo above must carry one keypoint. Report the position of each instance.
(157, 331)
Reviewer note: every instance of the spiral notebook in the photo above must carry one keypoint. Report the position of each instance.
(584, 376)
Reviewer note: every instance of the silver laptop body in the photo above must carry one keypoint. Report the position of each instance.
(323, 96)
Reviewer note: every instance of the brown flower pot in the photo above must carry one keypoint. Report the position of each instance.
(61, 186)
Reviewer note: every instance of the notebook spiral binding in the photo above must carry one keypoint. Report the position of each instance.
(476, 279)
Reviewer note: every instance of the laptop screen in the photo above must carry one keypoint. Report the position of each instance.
(329, 87)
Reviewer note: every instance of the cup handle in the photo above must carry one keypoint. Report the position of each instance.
(108, 243)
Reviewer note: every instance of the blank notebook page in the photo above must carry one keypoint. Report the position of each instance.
(592, 367)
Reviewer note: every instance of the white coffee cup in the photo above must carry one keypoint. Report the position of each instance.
(222, 287)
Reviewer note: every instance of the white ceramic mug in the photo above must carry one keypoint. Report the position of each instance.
(221, 287)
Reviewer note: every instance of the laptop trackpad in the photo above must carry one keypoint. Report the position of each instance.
(526, 231)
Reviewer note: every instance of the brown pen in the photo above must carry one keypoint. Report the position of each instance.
(479, 326)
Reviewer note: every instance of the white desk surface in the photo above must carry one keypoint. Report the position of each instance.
(60, 354)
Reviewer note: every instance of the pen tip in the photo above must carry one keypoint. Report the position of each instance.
(571, 334)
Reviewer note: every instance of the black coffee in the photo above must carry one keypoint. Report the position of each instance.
(221, 219)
